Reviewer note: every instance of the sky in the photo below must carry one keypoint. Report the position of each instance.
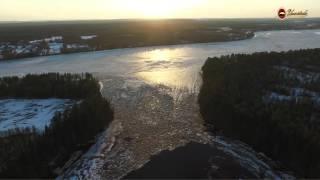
(39, 10)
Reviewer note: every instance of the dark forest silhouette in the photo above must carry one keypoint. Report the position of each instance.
(234, 101)
(26, 153)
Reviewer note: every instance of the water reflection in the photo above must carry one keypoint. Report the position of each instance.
(162, 54)
(179, 78)
(168, 77)
(163, 66)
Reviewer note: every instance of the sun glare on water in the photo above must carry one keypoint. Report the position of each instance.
(157, 8)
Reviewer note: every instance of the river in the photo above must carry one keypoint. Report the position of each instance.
(154, 93)
(176, 65)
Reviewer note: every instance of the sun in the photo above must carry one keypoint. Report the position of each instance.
(157, 8)
(151, 9)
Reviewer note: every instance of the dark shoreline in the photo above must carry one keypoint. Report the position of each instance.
(143, 46)
(153, 45)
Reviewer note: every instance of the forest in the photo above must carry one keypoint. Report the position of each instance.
(133, 33)
(51, 85)
(27, 153)
(270, 101)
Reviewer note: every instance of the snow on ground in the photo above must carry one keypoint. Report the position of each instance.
(53, 39)
(257, 163)
(299, 90)
(297, 95)
(27, 113)
(88, 37)
(77, 46)
(295, 32)
(295, 74)
(49, 39)
(55, 48)
(226, 29)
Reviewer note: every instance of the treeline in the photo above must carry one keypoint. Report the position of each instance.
(26, 153)
(116, 32)
(72, 86)
(234, 101)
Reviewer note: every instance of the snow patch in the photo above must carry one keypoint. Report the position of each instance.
(255, 162)
(295, 32)
(77, 46)
(55, 48)
(226, 29)
(53, 39)
(88, 37)
(28, 113)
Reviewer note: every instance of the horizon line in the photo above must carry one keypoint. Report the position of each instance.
(145, 19)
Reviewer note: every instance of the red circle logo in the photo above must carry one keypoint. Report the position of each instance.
(282, 13)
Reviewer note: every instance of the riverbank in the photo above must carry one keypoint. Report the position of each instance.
(203, 161)
(81, 48)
